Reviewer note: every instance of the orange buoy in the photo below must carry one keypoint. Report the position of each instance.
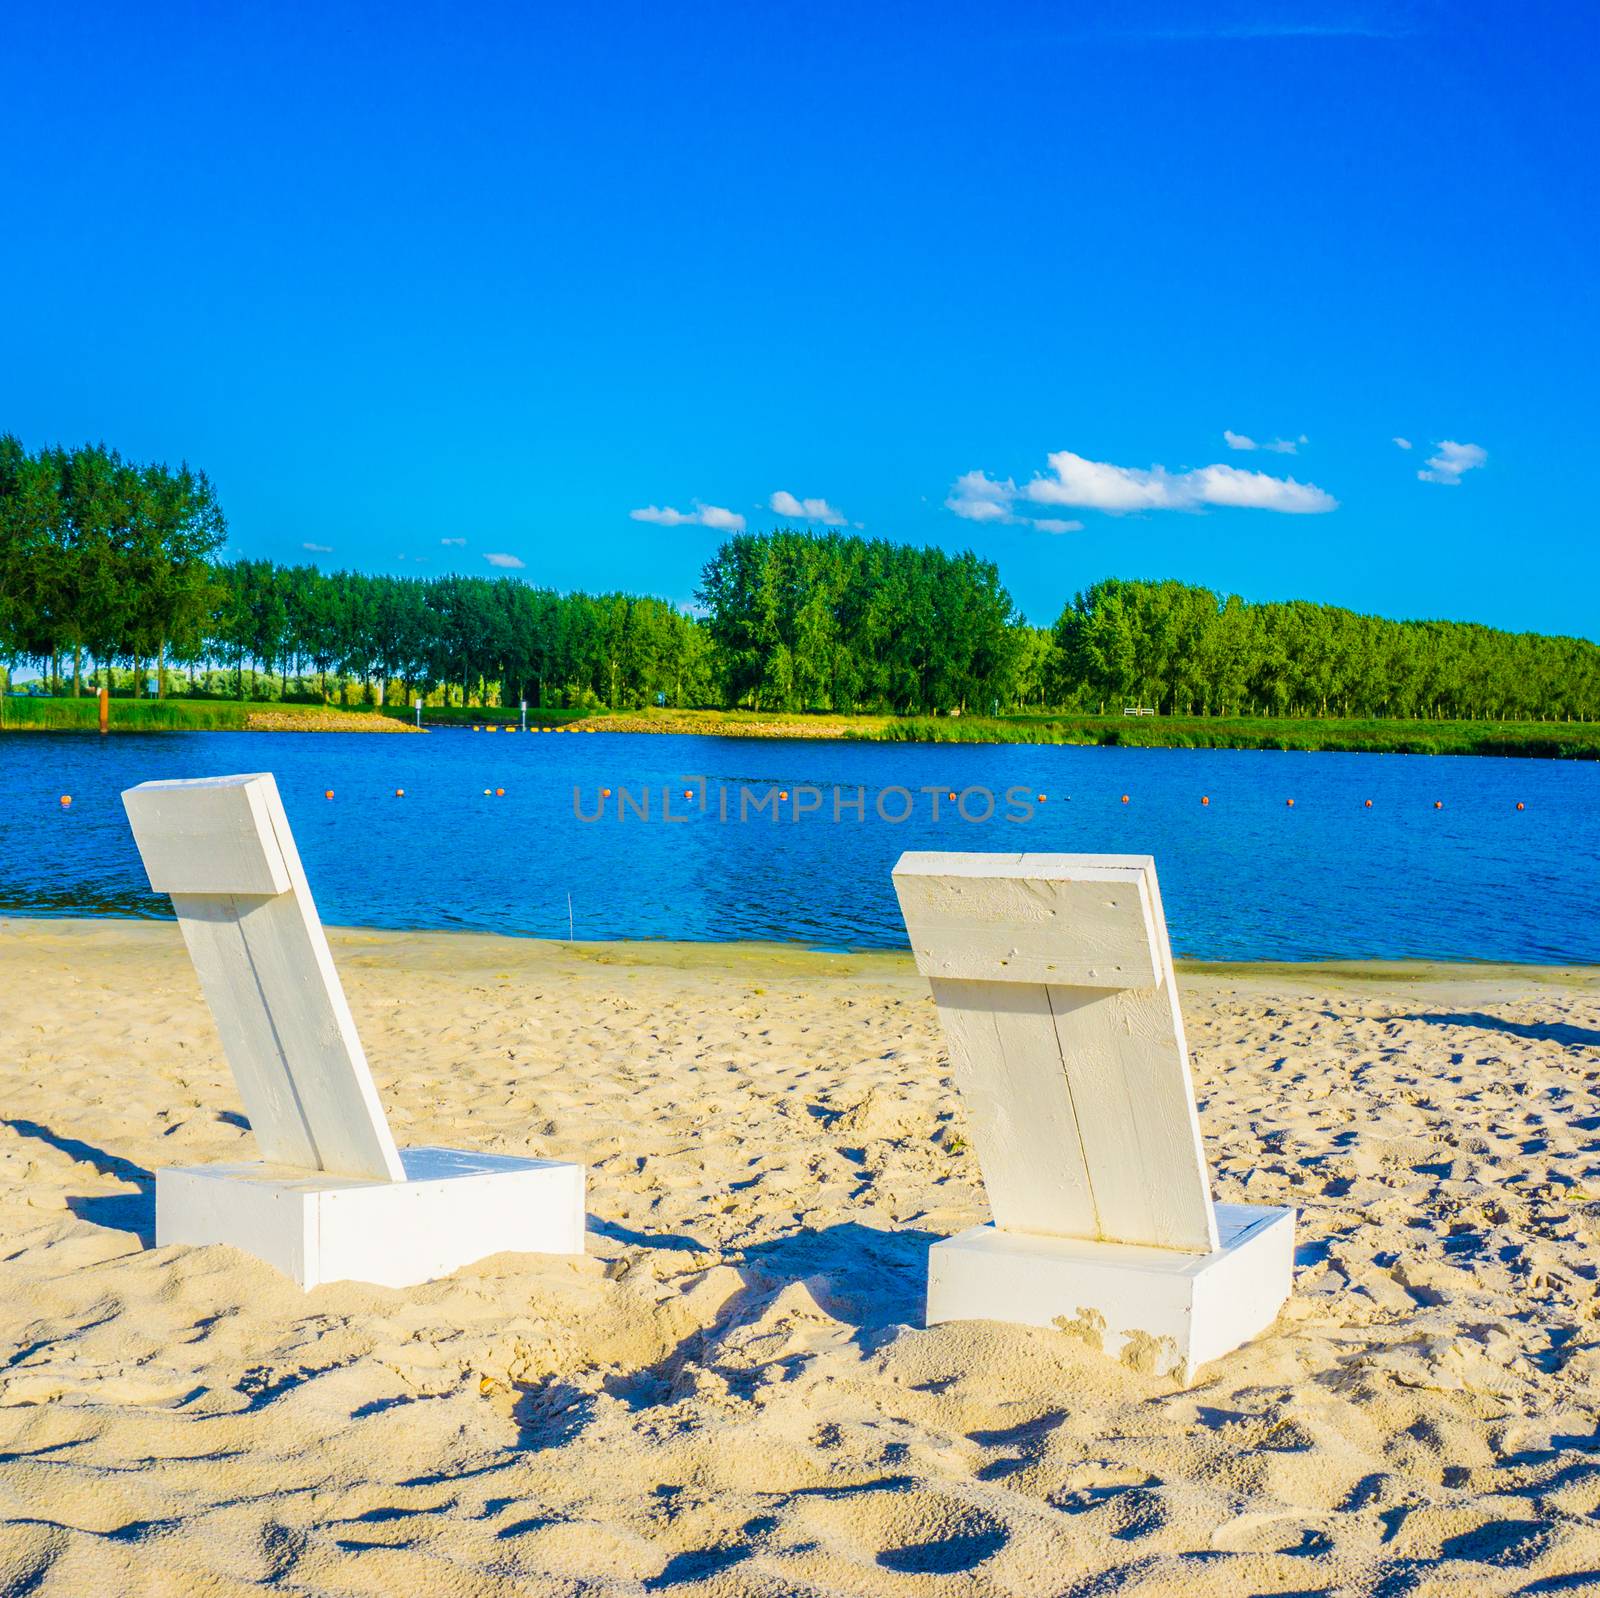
(1205, 798)
(605, 793)
(783, 793)
(399, 793)
(1124, 798)
(1438, 804)
(1368, 804)
(66, 799)
(499, 793)
(1520, 805)
(952, 796)
(1041, 798)
(688, 793)
(327, 793)
(1289, 803)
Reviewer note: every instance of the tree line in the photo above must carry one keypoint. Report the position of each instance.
(103, 557)
(493, 640)
(1188, 650)
(115, 565)
(805, 621)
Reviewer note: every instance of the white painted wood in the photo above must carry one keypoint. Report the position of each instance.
(1165, 1311)
(1031, 918)
(210, 835)
(451, 1210)
(334, 1199)
(1008, 1070)
(1076, 1075)
(264, 966)
(1054, 982)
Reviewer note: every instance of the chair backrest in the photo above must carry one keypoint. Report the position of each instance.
(221, 847)
(1053, 978)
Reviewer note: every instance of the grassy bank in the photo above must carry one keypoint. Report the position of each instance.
(487, 715)
(25, 713)
(1545, 739)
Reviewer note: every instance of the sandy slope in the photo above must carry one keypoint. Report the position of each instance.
(733, 1395)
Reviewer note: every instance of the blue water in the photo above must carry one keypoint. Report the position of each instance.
(1245, 877)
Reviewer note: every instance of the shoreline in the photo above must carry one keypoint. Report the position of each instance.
(1531, 740)
(798, 960)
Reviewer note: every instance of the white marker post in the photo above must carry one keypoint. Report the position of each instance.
(419, 712)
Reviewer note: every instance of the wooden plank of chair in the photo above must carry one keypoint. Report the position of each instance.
(1007, 923)
(1019, 1110)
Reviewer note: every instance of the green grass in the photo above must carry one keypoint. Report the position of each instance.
(25, 713)
(492, 715)
(1546, 739)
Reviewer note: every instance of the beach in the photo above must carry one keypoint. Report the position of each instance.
(733, 1393)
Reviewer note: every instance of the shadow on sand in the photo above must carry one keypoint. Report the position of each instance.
(1533, 1031)
(133, 1213)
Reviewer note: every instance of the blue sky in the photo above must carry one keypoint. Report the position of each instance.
(999, 277)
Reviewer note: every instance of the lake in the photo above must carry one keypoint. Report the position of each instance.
(1245, 876)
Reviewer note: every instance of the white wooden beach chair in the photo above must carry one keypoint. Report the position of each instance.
(1053, 978)
(332, 1197)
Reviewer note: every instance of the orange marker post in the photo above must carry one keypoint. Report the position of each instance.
(105, 710)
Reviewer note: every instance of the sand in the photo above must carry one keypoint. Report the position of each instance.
(733, 1394)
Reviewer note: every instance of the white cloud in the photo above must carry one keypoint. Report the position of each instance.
(318, 549)
(1228, 485)
(1451, 461)
(506, 562)
(1278, 446)
(1404, 443)
(977, 498)
(811, 510)
(664, 516)
(1083, 484)
(459, 543)
(717, 516)
(1098, 485)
